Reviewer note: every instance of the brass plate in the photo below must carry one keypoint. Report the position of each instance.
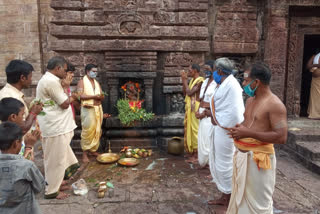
(108, 158)
(129, 162)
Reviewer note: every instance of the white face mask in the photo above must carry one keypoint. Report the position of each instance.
(92, 74)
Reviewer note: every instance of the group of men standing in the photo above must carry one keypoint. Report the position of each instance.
(235, 141)
(51, 118)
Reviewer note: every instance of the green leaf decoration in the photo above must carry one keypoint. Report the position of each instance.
(128, 116)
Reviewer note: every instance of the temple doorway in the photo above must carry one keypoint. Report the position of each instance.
(311, 46)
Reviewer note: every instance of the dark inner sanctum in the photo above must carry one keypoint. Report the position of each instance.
(311, 45)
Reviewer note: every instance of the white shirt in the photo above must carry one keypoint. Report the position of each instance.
(56, 121)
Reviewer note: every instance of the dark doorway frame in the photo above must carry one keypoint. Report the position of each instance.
(311, 44)
(299, 28)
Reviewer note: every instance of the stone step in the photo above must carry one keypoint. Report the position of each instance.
(304, 134)
(309, 149)
(116, 144)
(313, 166)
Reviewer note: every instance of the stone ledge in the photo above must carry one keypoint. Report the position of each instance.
(130, 45)
(144, 75)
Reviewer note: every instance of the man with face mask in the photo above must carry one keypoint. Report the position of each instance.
(192, 100)
(206, 129)
(254, 163)
(57, 128)
(91, 112)
(227, 109)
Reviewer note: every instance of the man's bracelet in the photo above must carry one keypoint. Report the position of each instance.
(34, 115)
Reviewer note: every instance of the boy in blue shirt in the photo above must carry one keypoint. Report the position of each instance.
(20, 179)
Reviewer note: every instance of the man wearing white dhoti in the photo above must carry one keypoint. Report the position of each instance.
(57, 126)
(254, 164)
(314, 101)
(206, 129)
(226, 110)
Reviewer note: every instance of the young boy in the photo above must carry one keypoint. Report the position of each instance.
(13, 110)
(20, 179)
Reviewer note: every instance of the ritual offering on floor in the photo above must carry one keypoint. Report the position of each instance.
(108, 158)
(128, 161)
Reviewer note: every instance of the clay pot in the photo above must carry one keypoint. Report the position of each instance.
(175, 146)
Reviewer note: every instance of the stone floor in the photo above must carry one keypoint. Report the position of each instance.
(167, 184)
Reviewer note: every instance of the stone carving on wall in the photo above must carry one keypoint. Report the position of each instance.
(108, 28)
(132, 24)
(178, 59)
(130, 4)
(192, 17)
(177, 103)
(161, 17)
(130, 27)
(123, 4)
(194, 3)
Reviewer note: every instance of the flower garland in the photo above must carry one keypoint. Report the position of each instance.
(131, 111)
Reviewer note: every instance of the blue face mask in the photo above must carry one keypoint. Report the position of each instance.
(217, 77)
(208, 73)
(248, 90)
(92, 74)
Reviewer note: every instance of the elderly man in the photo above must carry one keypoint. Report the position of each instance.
(226, 111)
(57, 126)
(206, 129)
(192, 100)
(254, 163)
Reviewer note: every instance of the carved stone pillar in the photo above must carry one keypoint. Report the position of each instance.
(114, 93)
(148, 83)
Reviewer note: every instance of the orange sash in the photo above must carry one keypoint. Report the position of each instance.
(261, 151)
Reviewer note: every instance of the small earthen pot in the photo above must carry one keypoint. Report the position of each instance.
(175, 146)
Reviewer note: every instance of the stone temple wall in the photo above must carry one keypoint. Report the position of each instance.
(19, 36)
(151, 41)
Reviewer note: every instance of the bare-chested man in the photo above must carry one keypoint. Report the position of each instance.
(254, 164)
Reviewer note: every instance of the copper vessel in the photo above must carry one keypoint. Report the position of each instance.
(175, 146)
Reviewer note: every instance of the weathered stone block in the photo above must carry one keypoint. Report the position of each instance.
(66, 4)
(236, 48)
(64, 16)
(172, 80)
(94, 17)
(172, 89)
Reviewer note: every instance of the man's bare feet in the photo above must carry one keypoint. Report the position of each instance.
(94, 154)
(65, 187)
(85, 158)
(224, 200)
(62, 196)
(64, 182)
(187, 155)
(192, 159)
(209, 177)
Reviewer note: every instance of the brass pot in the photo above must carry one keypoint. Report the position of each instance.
(175, 146)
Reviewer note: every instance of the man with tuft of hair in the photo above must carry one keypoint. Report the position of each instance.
(191, 124)
(254, 162)
(57, 127)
